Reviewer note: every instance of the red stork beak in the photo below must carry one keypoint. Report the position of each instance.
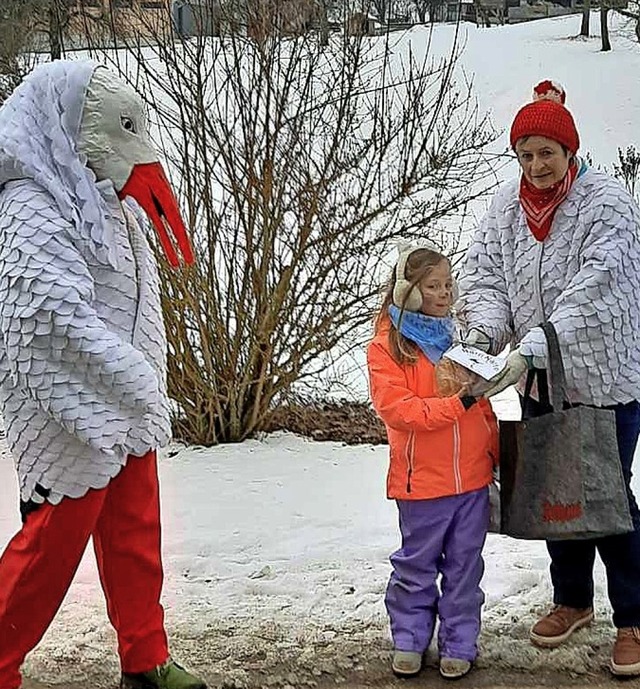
(149, 186)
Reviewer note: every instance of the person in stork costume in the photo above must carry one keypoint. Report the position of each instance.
(82, 360)
(562, 244)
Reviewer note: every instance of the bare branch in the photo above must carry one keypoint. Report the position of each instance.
(300, 165)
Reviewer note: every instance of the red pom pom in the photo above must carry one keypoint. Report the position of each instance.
(549, 90)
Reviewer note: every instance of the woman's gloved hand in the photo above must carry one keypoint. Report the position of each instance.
(476, 338)
(516, 365)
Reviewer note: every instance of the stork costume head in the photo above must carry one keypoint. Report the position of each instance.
(79, 125)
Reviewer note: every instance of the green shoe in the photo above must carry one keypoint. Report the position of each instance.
(169, 675)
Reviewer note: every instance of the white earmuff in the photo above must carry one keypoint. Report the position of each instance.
(405, 295)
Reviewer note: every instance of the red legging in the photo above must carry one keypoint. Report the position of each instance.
(40, 562)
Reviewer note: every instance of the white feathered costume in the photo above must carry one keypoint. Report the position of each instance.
(82, 360)
(584, 278)
(82, 349)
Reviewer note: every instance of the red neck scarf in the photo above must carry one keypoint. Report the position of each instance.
(540, 205)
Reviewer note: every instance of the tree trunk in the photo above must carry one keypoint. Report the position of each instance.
(381, 7)
(586, 16)
(260, 20)
(324, 24)
(638, 26)
(604, 28)
(55, 29)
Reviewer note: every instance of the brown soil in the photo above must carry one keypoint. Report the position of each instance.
(353, 423)
(428, 679)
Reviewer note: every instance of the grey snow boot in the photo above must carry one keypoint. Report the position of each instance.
(454, 668)
(406, 663)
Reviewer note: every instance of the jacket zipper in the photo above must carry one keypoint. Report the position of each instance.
(538, 283)
(456, 457)
(409, 448)
(489, 431)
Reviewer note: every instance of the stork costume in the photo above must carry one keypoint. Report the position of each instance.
(82, 360)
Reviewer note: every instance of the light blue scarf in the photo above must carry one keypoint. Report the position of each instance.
(582, 166)
(433, 335)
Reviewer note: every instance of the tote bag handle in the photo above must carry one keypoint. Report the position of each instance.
(558, 376)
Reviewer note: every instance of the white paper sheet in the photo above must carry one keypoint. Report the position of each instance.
(476, 360)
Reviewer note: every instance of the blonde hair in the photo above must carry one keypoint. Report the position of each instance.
(418, 266)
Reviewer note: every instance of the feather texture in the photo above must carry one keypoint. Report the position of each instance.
(82, 342)
(584, 278)
(77, 393)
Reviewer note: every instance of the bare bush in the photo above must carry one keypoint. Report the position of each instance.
(632, 11)
(627, 170)
(344, 421)
(299, 167)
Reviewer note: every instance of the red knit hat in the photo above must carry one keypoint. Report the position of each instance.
(546, 116)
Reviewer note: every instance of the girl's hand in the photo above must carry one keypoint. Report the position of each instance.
(464, 390)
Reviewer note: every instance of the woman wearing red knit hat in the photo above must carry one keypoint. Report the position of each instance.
(562, 244)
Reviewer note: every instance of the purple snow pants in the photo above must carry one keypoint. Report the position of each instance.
(441, 536)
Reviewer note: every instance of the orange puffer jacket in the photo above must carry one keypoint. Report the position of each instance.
(437, 447)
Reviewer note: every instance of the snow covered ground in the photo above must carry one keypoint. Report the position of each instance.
(276, 549)
(276, 555)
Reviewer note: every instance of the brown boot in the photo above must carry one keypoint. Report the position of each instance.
(625, 659)
(557, 626)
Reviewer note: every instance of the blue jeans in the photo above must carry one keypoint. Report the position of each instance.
(572, 561)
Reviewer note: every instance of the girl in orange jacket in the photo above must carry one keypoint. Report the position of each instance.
(442, 451)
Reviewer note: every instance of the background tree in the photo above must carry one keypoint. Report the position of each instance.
(604, 25)
(59, 16)
(300, 167)
(55, 26)
(586, 18)
(381, 9)
(18, 25)
(483, 17)
(428, 7)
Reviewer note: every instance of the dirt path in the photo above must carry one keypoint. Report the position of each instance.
(259, 654)
(491, 679)
(479, 679)
(484, 678)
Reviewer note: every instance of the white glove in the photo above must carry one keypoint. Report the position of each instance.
(476, 338)
(510, 374)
